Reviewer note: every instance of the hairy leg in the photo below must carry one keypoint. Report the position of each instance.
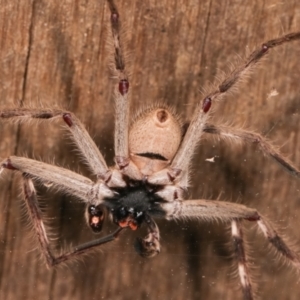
(199, 120)
(226, 211)
(236, 135)
(86, 145)
(38, 225)
(240, 253)
(79, 134)
(122, 98)
(62, 179)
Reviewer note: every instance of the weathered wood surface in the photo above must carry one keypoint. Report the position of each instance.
(53, 53)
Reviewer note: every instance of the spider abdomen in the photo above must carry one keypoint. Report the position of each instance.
(154, 138)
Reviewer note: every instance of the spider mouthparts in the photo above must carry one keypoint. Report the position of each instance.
(128, 222)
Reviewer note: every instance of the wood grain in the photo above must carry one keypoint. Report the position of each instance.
(53, 53)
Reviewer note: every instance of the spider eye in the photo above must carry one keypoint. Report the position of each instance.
(122, 213)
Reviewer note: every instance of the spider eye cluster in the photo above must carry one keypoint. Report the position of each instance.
(131, 204)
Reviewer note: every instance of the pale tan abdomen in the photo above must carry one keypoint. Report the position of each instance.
(154, 139)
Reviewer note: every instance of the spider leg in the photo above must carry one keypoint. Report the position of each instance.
(199, 120)
(226, 211)
(122, 99)
(238, 242)
(86, 145)
(252, 137)
(34, 211)
(63, 179)
(149, 246)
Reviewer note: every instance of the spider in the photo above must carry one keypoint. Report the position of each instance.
(151, 172)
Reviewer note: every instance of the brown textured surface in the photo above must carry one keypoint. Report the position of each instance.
(53, 53)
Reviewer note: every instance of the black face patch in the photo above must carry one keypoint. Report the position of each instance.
(133, 202)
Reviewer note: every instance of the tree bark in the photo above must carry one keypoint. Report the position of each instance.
(55, 54)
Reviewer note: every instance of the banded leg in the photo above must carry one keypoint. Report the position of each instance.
(240, 253)
(196, 128)
(149, 246)
(266, 147)
(86, 145)
(34, 211)
(62, 179)
(227, 211)
(122, 99)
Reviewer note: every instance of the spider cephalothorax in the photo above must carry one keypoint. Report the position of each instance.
(151, 171)
(131, 206)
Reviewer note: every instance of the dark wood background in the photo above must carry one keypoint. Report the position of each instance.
(53, 53)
